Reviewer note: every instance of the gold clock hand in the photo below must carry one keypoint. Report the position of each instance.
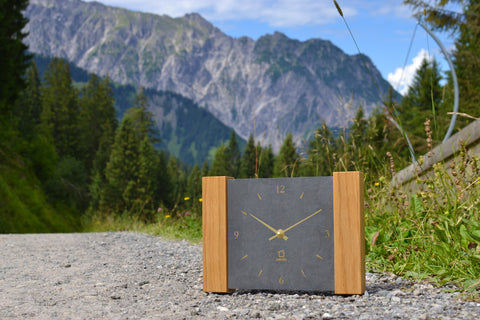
(266, 225)
(293, 226)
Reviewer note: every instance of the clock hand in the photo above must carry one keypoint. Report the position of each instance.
(280, 232)
(266, 225)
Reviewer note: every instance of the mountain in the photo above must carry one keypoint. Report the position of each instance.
(273, 85)
(187, 131)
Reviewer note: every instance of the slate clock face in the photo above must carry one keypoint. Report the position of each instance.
(280, 234)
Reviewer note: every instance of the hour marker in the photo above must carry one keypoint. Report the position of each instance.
(303, 273)
(328, 234)
(243, 212)
(244, 257)
(319, 257)
(259, 196)
(260, 273)
(302, 195)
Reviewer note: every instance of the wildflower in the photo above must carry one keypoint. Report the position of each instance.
(200, 200)
(179, 214)
(168, 216)
(186, 198)
(159, 209)
(187, 213)
(377, 184)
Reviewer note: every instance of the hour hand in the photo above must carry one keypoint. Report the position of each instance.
(265, 224)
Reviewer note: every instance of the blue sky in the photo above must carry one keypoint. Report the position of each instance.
(383, 29)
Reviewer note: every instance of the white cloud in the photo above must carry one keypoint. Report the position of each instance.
(392, 8)
(402, 78)
(277, 13)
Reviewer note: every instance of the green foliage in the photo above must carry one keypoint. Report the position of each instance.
(422, 101)
(59, 116)
(248, 166)
(97, 122)
(432, 233)
(130, 171)
(14, 60)
(287, 162)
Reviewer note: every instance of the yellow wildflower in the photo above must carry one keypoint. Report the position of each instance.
(186, 198)
(168, 216)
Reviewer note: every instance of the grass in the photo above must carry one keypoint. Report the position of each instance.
(432, 234)
(166, 224)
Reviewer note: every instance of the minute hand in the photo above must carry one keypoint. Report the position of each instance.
(296, 224)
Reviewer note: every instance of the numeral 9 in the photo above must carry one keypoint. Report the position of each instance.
(235, 234)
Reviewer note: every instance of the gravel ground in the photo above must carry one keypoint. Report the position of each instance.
(136, 276)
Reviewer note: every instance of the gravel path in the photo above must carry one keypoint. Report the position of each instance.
(136, 276)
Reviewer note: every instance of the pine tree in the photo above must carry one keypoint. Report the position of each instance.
(233, 155)
(131, 171)
(467, 62)
(319, 162)
(266, 162)
(28, 107)
(194, 187)
(59, 117)
(422, 102)
(221, 162)
(248, 166)
(14, 59)
(286, 163)
(97, 122)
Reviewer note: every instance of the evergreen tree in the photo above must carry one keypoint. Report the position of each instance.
(59, 117)
(14, 60)
(421, 102)
(319, 162)
(466, 26)
(467, 62)
(97, 122)
(131, 171)
(194, 187)
(28, 106)
(286, 163)
(221, 162)
(178, 181)
(233, 155)
(266, 162)
(248, 167)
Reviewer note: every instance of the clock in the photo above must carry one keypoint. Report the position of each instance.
(294, 234)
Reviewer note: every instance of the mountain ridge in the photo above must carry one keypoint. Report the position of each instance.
(271, 86)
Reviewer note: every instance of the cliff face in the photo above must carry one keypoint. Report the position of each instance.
(276, 84)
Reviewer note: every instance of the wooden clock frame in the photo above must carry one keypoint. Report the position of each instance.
(349, 234)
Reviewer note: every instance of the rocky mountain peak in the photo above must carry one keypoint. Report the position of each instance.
(279, 84)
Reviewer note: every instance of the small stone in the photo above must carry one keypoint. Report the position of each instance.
(327, 316)
(222, 309)
(115, 297)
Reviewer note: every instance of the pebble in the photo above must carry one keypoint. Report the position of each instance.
(137, 276)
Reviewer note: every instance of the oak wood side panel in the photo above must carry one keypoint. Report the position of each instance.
(349, 230)
(214, 220)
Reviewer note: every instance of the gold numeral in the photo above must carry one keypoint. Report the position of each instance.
(281, 281)
(280, 188)
(328, 234)
(236, 234)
